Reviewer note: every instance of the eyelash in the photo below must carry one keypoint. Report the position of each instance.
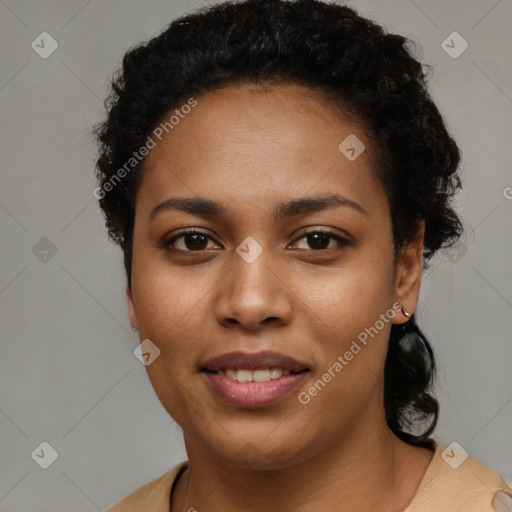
(342, 242)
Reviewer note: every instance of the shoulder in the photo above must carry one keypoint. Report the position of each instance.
(154, 495)
(456, 482)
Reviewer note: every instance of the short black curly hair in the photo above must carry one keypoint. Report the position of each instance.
(361, 68)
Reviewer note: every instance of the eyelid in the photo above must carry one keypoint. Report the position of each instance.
(166, 243)
(343, 237)
(342, 240)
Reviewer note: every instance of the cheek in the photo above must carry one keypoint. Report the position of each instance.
(167, 314)
(168, 306)
(350, 297)
(166, 299)
(351, 308)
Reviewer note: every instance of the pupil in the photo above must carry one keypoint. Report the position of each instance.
(197, 241)
(321, 239)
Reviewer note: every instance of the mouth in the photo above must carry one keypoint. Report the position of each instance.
(253, 380)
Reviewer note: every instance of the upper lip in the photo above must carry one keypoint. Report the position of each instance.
(253, 361)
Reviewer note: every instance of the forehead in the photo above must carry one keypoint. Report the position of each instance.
(249, 144)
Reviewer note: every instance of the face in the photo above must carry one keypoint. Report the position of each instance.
(258, 268)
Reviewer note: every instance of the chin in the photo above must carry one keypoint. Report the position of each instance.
(258, 452)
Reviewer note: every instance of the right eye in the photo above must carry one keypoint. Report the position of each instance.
(191, 241)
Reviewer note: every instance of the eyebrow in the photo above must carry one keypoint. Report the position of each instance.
(207, 208)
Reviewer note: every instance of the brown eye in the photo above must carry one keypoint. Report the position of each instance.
(190, 241)
(197, 241)
(319, 240)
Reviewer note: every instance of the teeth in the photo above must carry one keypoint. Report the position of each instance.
(231, 374)
(262, 375)
(244, 376)
(275, 373)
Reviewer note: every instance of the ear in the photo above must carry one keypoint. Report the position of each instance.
(131, 307)
(408, 274)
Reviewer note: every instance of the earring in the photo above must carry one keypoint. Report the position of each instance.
(134, 329)
(405, 312)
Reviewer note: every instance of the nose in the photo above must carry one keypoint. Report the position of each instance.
(253, 294)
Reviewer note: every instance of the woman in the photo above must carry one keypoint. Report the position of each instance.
(277, 177)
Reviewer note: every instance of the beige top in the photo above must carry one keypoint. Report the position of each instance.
(446, 487)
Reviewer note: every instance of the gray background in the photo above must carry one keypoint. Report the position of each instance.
(68, 375)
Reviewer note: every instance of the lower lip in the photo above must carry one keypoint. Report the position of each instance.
(251, 395)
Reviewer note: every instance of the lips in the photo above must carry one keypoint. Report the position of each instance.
(253, 361)
(255, 389)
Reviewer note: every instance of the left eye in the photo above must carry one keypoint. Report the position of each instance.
(193, 241)
(318, 239)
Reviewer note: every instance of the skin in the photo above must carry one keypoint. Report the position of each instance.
(251, 148)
